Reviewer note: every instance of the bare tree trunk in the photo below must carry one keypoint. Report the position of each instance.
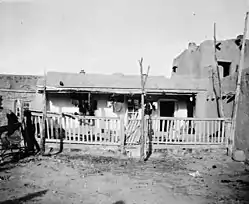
(142, 110)
(218, 96)
(143, 83)
(43, 133)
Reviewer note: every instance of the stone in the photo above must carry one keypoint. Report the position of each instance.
(239, 156)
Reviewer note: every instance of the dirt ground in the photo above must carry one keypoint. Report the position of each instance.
(78, 177)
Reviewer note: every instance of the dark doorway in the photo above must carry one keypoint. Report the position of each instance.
(167, 109)
(226, 67)
(190, 109)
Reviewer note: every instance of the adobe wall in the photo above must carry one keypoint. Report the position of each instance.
(242, 122)
(10, 97)
(19, 87)
(195, 60)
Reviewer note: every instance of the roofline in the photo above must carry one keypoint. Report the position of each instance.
(28, 75)
(121, 90)
(18, 91)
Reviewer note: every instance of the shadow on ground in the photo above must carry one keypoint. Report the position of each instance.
(119, 202)
(25, 198)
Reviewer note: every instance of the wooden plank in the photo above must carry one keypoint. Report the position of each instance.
(163, 132)
(40, 126)
(80, 142)
(219, 131)
(208, 131)
(91, 128)
(211, 132)
(202, 131)
(169, 136)
(192, 146)
(100, 133)
(122, 135)
(74, 129)
(77, 131)
(36, 126)
(157, 123)
(215, 131)
(223, 132)
(194, 132)
(186, 130)
(192, 119)
(47, 124)
(52, 127)
(56, 128)
(70, 128)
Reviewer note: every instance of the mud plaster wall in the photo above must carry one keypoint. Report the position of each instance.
(200, 110)
(63, 103)
(9, 102)
(195, 62)
(242, 122)
(19, 87)
(10, 97)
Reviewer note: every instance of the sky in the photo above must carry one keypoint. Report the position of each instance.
(109, 36)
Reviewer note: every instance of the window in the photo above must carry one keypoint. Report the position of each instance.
(226, 67)
(26, 105)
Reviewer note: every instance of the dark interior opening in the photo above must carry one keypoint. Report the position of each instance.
(190, 109)
(174, 69)
(226, 67)
(167, 109)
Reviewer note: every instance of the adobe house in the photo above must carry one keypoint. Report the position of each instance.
(197, 62)
(17, 91)
(113, 95)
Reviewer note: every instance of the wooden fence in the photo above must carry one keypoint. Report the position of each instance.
(79, 129)
(111, 130)
(189, 131)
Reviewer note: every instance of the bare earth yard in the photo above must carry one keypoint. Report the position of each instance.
(77, 177)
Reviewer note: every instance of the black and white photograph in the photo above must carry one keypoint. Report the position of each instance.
(124, 101)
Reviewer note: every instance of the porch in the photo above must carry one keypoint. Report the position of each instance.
(159, 131)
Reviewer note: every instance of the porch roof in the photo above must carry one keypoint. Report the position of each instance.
(118, 83)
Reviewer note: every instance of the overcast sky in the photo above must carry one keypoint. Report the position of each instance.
(107, 36)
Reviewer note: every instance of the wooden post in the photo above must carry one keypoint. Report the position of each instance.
(61, 134)
(219, 97)
(237, 93)
(43, 136)
(142, 110)
(143, 83)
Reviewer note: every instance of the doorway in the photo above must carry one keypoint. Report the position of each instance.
(167, 109)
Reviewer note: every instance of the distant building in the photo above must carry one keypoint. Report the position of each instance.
(18, 91)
